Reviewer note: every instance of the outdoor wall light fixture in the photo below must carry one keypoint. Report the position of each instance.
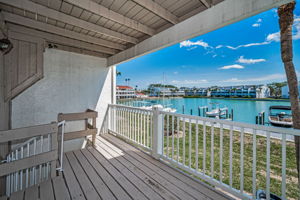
(5, 46)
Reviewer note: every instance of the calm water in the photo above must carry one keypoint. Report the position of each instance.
(243, 110)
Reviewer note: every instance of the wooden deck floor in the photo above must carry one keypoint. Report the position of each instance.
(116, 170)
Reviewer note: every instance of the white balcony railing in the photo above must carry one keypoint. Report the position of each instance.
(31, 161)
(235, 157)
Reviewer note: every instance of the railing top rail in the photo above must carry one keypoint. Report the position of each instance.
(27, 132)
(77, 116)
(129, 107)
(237, 124)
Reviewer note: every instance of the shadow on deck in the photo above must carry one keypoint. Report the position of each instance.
(116, 170)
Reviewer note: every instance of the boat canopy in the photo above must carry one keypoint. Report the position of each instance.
(280, 107)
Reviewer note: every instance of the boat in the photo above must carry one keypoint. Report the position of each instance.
(213, 113)
(146, 106)
(171, 110)
(165, 109)
(280, 116)
(261, 195)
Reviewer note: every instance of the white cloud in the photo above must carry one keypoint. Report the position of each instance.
(188, 43)
(258, 79)
(188, 82)
(248, 45)
(235, 66)
(175, 72)
(296, 32)
(296, 35)
(273, 37)
(250, 61)
(257, 23)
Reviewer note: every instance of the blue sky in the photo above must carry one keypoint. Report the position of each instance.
(247, 52)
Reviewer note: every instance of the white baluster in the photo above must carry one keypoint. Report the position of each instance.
(190, 143)
(268, 167)
(204, 147)
(242, 161)
(178, 128)
(254, 166)
(230, 155)
(221, 153)
(283, 168)
(212, 149)
(172, 137)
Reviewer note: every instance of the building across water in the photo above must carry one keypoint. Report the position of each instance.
(125, 92)
(166, 91)
(252, 91)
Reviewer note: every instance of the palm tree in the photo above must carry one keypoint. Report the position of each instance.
(127, 81)
(286, 19)
(118, 73)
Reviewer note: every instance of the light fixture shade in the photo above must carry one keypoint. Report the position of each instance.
(5, 46)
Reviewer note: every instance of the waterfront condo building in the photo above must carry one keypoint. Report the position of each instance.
(125, 92)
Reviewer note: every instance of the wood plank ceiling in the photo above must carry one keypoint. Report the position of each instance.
(103, 26)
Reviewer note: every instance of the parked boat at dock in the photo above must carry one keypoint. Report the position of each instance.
(280, 116)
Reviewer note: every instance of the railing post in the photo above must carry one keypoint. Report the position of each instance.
(157, 138)
(94, 126)
(54, 146)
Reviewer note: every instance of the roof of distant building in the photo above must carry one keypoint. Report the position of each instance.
(124, 87)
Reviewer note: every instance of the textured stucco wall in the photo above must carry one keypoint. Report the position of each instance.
(72, 83)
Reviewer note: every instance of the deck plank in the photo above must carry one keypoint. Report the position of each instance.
(141, 185)
(127, 185)
(86, 185)
(17, 195)
(71, 181)
(117, 190)
(155, 185)
(32, 193)
(60, 189)
(46, 190)
(182, 180)
(154, 173)
(99, 185)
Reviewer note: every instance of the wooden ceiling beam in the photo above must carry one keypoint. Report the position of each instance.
(207, 3)
(13, 18)
(158, 10)
(57, 39)
(111, 15)
(54, 14)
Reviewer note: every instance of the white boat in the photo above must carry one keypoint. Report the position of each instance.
(146, 107)
(171, 110)
(213, 113)
(165, 109)
(280, 116)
